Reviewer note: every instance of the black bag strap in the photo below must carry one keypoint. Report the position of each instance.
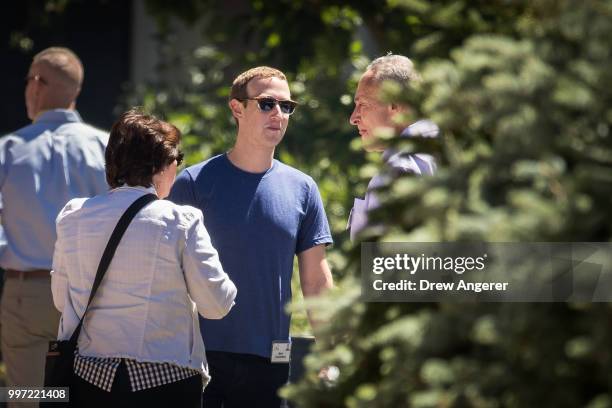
(109, 252)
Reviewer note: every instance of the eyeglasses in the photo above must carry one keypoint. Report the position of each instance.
(267, 103)
(179, 158)
(35, 78)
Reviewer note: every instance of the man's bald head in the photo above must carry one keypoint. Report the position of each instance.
(54, 80)
(64, 66)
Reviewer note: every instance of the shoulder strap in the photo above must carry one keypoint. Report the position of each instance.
(109, 251)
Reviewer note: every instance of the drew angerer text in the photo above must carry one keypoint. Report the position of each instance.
(425, 285)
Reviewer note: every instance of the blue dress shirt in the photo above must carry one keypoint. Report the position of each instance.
(42, 167)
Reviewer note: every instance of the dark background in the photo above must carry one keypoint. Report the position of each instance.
(98, 32)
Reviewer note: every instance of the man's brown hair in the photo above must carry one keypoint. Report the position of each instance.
(239, 86)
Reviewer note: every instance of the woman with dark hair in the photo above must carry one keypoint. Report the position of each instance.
(140, 342)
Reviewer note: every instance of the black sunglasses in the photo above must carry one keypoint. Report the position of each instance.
(267, 103)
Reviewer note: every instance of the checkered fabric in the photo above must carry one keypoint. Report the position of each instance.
(101, 372)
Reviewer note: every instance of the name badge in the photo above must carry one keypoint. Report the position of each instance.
(281, 351)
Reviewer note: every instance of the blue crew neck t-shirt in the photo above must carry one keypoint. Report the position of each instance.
(257, 222)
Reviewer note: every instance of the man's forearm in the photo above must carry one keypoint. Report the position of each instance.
(320, 283)
(316, 289)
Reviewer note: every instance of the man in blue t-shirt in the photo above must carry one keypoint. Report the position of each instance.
(260, 213)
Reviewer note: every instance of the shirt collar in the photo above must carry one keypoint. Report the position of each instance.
(421, 128)
(388, 153)
(143, 189)
(59, 115)
(391, 156)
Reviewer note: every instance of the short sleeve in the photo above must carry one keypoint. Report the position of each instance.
(314, 229)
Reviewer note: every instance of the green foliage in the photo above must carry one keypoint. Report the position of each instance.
(526, 156)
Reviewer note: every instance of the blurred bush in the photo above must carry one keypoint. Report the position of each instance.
(524, 104)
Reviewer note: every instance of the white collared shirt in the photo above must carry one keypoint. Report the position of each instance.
(164, 272)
